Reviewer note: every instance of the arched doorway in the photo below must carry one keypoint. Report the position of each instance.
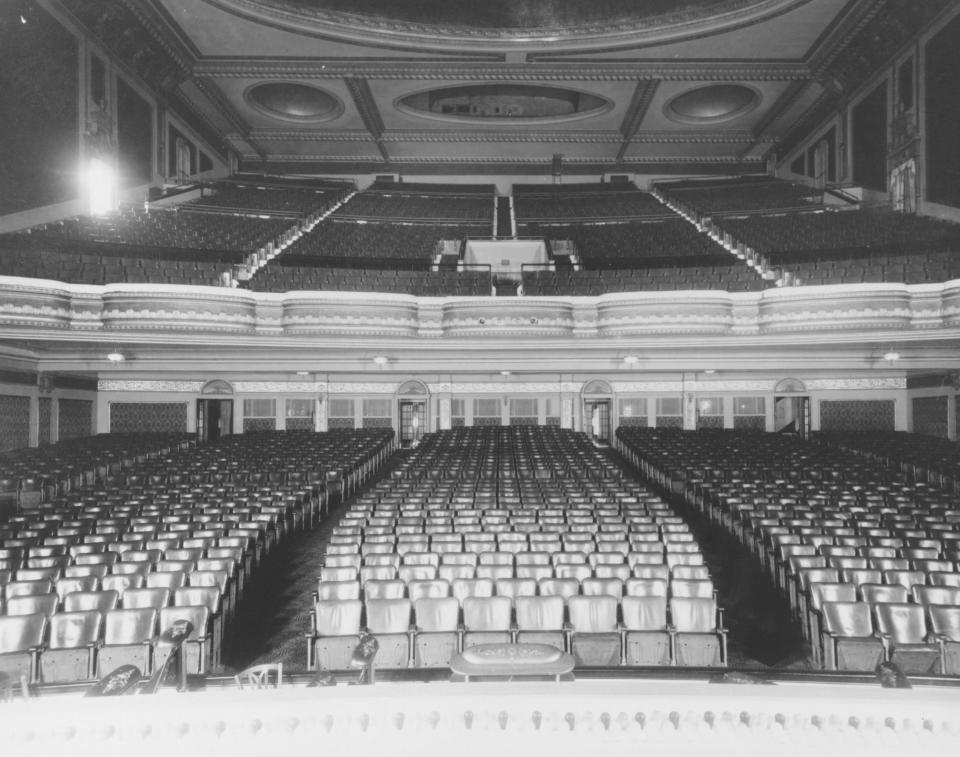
(412, 405)
(597, 401)
(791, 408)
(215, 411)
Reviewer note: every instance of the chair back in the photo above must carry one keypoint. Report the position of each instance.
(152, 597)
(436, 613)
(471, 587)
(644, 613)
(945, 621)
(388, 615)
(101, 601)
(392, 589)
(693, 614)
(593, 614)
(30, 604)
(338, 617)
(130, 626)
(847, 618)
(69, 630)
(487, 613)
(19, 633)
(539, 613)
(903, 622)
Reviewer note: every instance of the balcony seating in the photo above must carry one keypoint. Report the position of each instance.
(336, 633)
(486, 620)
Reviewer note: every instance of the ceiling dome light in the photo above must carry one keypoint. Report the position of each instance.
(303, 373)
(116, 357)
(631, 359)
(505, 373)
(712, 104)
(381, 359)
(891, 356)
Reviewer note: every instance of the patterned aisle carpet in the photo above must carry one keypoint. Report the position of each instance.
(275, 613)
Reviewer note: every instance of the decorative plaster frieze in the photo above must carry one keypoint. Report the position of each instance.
(361, 387)
(279, 387)
(855, 383)
(538, 135)
(712, 385)
(502, 387)
(143, 385)
(628, 387)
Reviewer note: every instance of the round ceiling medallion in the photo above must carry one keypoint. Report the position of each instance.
(504, 102)
(712, 104)
(292, 101)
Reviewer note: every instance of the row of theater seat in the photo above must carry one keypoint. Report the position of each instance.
(300, 201)
(839, 521)
(196, 521)
(589, 204)
(931, 459)
(598, 630)
(505, 513)
(699, 199)
(82, 645)
(631, 244)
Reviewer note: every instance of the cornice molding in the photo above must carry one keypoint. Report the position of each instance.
(840, 35)
(493, 137)
(572, 71)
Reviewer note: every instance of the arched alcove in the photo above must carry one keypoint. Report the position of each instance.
(217, 386)
(790, 386)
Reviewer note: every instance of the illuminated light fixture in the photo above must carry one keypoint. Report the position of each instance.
(631, 359)
(505, 373)
(710, 370)
(891, 356)
(381, 359)
(101, 187)
(116, 356)
(303, 373)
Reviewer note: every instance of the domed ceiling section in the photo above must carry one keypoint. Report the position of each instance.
(712, 104)
(515, 102)
(292, 101)
(554, 23)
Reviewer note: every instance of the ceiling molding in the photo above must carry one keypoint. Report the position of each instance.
(670, 70)
(637, 109)
(837, 36)
(400, 34)
(166, 32)
(494, 137)
(363, 98)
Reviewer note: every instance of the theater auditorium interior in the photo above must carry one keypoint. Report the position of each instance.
(528, 376)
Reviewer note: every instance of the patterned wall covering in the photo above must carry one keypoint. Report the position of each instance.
(76, 419)
(459, 422)
(634, 421)
(488, 421)
(259, 424)
(148, 416)
(378, 422)
(333, 423)
(15, 412)
(750, 422)
(553, 420)
(669, 421)
(857, 415)
(710, 421)
(930, 416)
(521, 420)
(43, 420)
(299, 424)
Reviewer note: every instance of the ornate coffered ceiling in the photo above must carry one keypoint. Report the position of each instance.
(364, 86)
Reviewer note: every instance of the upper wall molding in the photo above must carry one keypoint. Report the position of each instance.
(324, 68)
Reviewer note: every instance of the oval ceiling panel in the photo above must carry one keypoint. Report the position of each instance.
(504, 102)
(714, 103)
(292, 101)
